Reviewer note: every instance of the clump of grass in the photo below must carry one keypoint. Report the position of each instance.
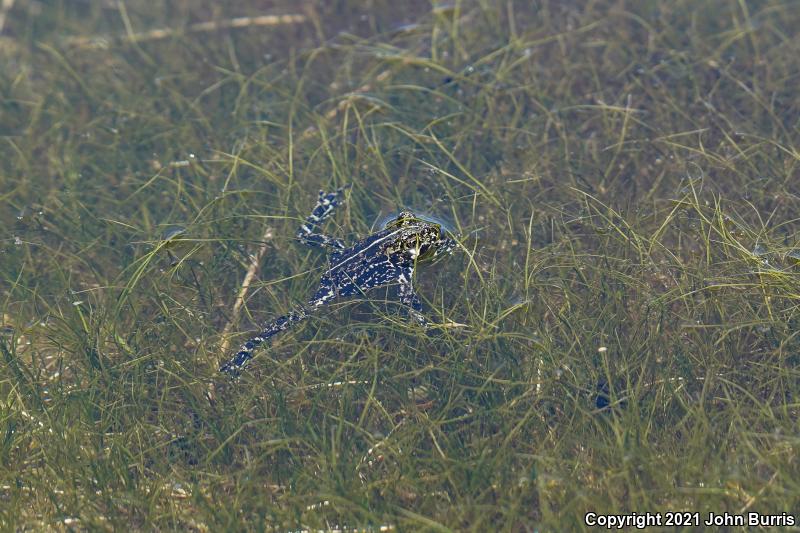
(622, 177)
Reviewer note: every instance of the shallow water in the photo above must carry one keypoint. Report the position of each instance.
(609, 339)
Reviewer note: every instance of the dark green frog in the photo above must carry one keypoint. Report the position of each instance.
(387, 257)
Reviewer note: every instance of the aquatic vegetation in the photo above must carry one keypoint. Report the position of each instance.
(622, 176)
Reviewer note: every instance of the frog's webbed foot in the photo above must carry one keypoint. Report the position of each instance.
(326, 204)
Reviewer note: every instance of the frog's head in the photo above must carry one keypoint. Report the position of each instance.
(403, 219)
(422, 238)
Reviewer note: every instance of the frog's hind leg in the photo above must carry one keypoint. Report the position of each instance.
(245, 353)
(326, 203)
(325, 293)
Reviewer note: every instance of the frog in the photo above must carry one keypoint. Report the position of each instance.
(384, 258)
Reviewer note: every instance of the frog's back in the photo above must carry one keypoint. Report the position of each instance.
(367, 249)
(365, 265)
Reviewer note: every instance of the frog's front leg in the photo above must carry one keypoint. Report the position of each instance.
(409, 297)
(326, 203)
(444, 246)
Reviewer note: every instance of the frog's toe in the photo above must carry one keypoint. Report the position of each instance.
(417, 317)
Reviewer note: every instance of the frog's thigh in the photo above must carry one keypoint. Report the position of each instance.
(325, 292)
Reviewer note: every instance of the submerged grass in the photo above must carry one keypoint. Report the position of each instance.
(623, 177)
